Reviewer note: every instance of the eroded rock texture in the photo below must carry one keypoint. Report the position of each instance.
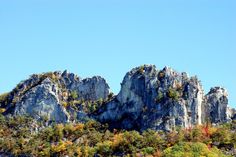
(44, 96)
(148, 99)
(155, 99)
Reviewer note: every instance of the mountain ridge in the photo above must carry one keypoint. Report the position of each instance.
(149, 99)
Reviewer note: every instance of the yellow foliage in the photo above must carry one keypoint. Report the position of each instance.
(61, 146)
(117, 139)
(60, 126)
(212, 130)
(141, 69)
(65, 104)
(2, 110)
(79, 152)
(3, 97)
(79, 126)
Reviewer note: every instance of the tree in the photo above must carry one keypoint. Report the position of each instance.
(190, 149)
(58, 132)
(197, 134)
(221, 135)
(152, 139)
(104, 148)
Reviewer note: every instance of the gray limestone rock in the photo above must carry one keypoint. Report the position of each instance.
(148, 99)
(93, 89)
(217, 105)
(42, 101)
(154, 99)
(42, 96)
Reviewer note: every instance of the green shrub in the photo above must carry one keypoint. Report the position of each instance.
(3, 97)
(104, 148)
(190, 149)
(152, 139)
(92, 107)
(74, 95)
(159, 97)
(173, 94)
(78, 139)
(148, 150)
(141, 69)
(221, 135)
(110, 96)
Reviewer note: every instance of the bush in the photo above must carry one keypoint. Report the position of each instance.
(173, 94)
(74, 95)
(3, 99)
(58, 132)
(191, 150)
(104, 148)
(152, 139)
(221, 135)
(148, 150)
(110, 96)
(160, 97)
(2, 110)
(94, 139)
(92, 107)
(141, 69)
(65, 104)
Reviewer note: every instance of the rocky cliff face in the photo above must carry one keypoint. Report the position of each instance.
(42, 101)
(88, 89)
(217, 105)
(155, 99)
(162, 100)
(149, 98)
(47, 96)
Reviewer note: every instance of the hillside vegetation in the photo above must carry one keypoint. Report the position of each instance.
(23, 136)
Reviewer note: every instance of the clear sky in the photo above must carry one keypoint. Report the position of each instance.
(109, 37)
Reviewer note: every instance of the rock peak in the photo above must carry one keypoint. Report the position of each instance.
(219, 90)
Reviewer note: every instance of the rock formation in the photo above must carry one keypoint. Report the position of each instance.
(217, 105)
(44, 96)
(155, 99)
(148, 99)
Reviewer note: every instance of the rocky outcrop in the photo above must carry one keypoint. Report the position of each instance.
(149, 99)
(162, 100)
(155, 99)
(88, 89)
(43, 101)
(217, 105)
(46, 96)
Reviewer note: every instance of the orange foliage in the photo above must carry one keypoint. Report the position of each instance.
(117, 139)
(61, 146)
(79, 126)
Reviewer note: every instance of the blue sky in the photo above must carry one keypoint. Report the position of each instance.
(109, 37)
